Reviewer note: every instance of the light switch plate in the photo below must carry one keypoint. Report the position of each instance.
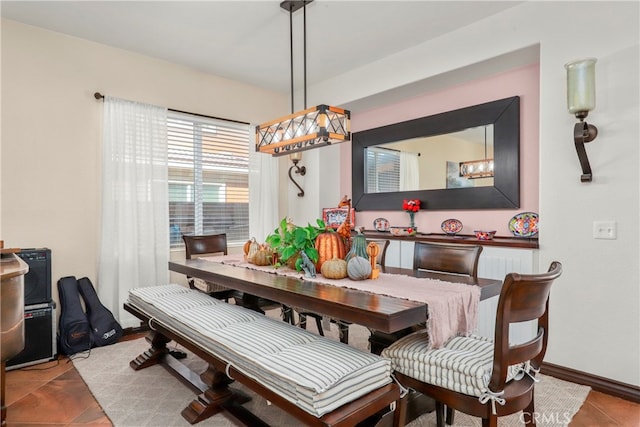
(604, 230)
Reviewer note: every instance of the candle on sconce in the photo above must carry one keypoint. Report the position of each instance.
(581, 85)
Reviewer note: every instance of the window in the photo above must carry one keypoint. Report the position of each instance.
(208, 177)
(383, 170)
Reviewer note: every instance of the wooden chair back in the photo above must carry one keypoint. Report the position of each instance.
(524, 297)
(449, 258)
(205, 244)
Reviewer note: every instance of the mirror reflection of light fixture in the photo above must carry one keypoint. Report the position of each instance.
(473, 169)
(310, 128)
(301, 170)
(581, 98)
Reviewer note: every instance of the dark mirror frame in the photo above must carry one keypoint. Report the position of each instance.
(504, 114)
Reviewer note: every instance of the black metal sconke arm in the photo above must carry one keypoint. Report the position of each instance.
(299, 170)
(582, 133)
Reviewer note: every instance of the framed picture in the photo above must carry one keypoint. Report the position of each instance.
(334, 217)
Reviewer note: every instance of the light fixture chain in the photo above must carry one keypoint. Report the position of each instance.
(304, 49)
(291, 55)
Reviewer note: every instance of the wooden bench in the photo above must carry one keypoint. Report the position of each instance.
(319, 381)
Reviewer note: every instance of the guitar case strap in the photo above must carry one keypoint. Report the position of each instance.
(74, 334)
(105, 329)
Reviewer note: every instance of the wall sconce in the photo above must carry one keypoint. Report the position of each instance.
(301, 170)
(581, 98)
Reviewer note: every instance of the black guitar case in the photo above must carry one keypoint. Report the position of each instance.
(105, 329)
(75, 333)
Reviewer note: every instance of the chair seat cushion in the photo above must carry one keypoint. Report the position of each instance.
(463, 364)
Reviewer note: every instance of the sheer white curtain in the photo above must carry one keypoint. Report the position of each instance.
(263, 193)
(409, 171)
(135, 211)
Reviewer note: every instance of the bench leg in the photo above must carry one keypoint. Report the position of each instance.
(212, 400)
(154, 355)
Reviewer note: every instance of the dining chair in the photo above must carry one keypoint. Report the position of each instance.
(343, 327)
(447, 258)
(480, 377)
(217, 244)
(210, 244)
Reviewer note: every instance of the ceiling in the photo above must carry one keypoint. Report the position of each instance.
(248, 41)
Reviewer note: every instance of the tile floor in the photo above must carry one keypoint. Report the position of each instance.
(53, 394)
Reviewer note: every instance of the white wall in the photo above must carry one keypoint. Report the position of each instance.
(51, 132)
(595, 306)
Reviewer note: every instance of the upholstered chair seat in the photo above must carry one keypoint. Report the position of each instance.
(463, 364)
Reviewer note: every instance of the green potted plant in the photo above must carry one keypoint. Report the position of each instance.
(288, 240)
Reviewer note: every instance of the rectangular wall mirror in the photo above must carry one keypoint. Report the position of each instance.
(421, 159)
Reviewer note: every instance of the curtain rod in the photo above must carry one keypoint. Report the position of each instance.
(100, 97)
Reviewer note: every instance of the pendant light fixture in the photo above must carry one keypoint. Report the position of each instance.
(310, 128)
(473, 169)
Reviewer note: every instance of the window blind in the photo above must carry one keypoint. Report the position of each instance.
(383, 170)
(208, 177)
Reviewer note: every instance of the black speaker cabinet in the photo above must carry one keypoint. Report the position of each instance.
(39, 336)
(37, 282)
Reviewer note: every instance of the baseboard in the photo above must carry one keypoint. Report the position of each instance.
(597, 383)
(136, 330)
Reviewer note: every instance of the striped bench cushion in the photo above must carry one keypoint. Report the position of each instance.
(463, 364)
(313, 372)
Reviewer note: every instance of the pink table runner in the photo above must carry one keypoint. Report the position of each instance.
(453, 307)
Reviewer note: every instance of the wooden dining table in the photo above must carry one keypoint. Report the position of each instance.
(384, 313)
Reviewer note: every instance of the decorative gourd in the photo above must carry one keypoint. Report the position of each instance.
(358, 247)
(329, 245)
(358, 268)
(334, 268)
(253, 249)
(245, 248)
(263, 256)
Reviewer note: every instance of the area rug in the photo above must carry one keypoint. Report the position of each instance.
(153, 397)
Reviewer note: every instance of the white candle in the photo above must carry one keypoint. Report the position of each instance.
(581, 85)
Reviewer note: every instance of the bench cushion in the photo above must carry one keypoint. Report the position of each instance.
(313, 372)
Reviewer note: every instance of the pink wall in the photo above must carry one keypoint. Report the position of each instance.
(523, 82)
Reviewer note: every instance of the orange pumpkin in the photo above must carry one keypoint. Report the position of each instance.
(245, 247)
(329, 245)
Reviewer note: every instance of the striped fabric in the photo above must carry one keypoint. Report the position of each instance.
(152, 292)
(313, 372)
(463, 364)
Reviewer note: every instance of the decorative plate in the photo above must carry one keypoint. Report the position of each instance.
(524, 224)
(381, 224)
(451, 226)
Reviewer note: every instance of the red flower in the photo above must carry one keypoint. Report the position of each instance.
(411, 205)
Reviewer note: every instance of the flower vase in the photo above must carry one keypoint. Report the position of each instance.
(412, 224)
